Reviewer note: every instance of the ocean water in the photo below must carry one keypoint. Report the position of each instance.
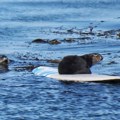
(24, 96)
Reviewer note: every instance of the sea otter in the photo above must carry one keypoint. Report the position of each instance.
(74, 64)
(3, 63)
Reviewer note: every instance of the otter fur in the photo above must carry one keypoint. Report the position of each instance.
(3, 63)
(74, 64)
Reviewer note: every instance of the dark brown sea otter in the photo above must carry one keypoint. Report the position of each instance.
(3, 63)
(74, 64)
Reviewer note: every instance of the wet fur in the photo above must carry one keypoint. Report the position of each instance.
(78, 64)
(3, 63)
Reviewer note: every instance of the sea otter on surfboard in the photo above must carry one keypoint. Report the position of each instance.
(75, 68)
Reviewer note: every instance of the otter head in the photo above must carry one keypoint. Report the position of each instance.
(96, 57)
(92, 58)
(3, 60)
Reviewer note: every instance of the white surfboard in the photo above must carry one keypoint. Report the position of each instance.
(53, 73)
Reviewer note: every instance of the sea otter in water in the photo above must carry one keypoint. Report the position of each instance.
(3, 63)
(74, 64)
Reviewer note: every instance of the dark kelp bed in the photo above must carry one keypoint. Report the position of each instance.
(33, 34)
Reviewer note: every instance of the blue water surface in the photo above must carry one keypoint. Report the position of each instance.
(24, 96)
